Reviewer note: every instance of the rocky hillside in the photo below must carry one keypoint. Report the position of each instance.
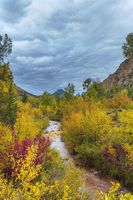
(122, 76)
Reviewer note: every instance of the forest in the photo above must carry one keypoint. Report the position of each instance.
(96, 126)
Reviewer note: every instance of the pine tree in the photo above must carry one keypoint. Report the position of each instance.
(10, 108)
(24, 97)
(128, 46)
(69, 91)
(5, 47)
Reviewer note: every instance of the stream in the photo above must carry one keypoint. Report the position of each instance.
(92, 179)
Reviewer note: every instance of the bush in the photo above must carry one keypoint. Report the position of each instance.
(101, 141)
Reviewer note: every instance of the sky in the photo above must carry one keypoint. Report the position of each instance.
(60, 41)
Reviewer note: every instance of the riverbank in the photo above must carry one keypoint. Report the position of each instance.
(92, 181)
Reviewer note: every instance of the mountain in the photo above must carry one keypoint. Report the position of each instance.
(123, 75)
(20, 92)
(60, 92)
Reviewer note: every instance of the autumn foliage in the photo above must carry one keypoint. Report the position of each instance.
(100, 133)
(97, 127)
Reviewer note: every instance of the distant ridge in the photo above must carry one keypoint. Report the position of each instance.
(61, 92)
(123, 75)
(21, 91)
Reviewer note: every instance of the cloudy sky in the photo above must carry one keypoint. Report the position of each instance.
(61, 41)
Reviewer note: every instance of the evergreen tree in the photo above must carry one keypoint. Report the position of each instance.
(5, 47)
(24, 97)
(47, 99)
(58, 98)
(6, 74)
(10, 108)
(69, 91)
(128, 46)
(87, 83)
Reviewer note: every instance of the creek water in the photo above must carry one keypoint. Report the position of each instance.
(93, 181)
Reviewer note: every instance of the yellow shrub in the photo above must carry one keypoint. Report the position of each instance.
(114, 195)
(5, 136)
(24, 177)
(91, 125)
(25, 126)
(120, 100)
(37, 113)
(5, 139)
(126, 119)
(27, 185)
(3, 87)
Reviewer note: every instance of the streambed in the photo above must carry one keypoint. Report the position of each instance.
(93, 181)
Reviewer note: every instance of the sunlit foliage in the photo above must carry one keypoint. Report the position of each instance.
(100, 133)
(8, 105)
(97, 127)
(27, 182)
(119, 100)
(114, 194)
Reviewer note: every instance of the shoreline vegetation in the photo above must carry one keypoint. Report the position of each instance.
(96, 126)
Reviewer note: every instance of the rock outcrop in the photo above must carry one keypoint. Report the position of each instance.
(123, 75)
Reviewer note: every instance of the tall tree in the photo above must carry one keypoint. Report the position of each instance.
(24, 97)
(47, 99)
(5, 47)
(58, 97)
(6, 74)
(69, 91)
(8, 106)
(10, 109)
(87, 83)
(128, 46)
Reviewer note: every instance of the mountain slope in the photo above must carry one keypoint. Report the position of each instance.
(123, 75)
(60, 92)
(21, 91)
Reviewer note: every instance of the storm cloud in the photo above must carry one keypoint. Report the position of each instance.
(61, 41)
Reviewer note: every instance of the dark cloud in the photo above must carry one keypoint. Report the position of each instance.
(13, 10)
(61, 41)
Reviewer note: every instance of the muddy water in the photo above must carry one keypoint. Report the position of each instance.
(93, 182)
